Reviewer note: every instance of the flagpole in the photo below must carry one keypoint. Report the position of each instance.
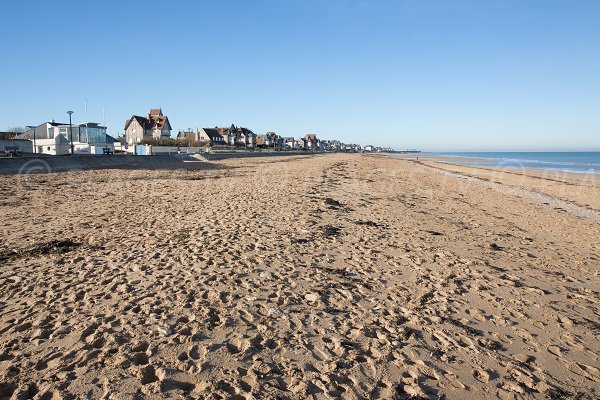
(87, 135)
(103, 124)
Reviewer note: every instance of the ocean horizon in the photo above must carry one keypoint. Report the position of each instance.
(565, 161)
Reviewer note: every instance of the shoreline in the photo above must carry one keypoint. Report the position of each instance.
(470, 162)
(581, 189)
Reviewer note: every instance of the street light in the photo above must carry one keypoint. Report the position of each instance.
(71, 132)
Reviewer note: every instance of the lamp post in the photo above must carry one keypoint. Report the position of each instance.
(71, 132)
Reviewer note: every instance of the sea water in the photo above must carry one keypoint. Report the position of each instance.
(579, 162)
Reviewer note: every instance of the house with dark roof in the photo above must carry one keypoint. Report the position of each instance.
(213, 135)
(269, 139)
(247, 137)
(231, 136)
(238, 136)
(155, 125)
(311, 141)
(210, 135)
(291, 143)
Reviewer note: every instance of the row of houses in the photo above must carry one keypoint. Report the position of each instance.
(232, 136)
(156, 125)
(376, 149)
(244, 137)
(64, 138)
(57, 138)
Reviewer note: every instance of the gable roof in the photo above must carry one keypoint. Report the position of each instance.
(153, 122)
(190, 135)
(160, 122)
(111, 139)
(40, 131)
(144, 122)
(9, 135)
(215, 134)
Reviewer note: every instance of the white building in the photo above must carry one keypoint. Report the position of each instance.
(55, 138)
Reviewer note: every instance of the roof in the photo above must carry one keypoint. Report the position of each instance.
(215, 133)
(39, 133)
(89, 125)
(155, 111)
(310, 136)
(8, 135)
(160, 121)
(152, 122)
(143, 121)
(190, 135)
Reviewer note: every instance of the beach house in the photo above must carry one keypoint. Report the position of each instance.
(212, 136)
(330, 145)
(350, 147)
(215, 136)
(247, 137)
(311, 142)
(155, 126)
(239, 137)
(291, 143)
(269, 139)
(55, 138)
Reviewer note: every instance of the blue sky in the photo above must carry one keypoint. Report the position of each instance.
(436, 75)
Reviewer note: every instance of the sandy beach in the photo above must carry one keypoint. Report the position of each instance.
(324, 277)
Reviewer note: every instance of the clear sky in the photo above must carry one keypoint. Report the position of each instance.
(436, 75)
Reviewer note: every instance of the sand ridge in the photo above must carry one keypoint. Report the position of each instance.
(334, 276)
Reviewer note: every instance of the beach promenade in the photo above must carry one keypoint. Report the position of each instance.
(328, 276)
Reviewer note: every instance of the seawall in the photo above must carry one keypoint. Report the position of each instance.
(42, 164)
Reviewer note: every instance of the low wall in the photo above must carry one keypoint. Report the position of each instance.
(224, 155)
(48, 163)
(42, 164)
(162, 150)
(24, 146)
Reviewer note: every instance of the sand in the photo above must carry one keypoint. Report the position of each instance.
(331, 276)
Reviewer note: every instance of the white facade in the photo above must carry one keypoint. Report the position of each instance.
(55, 146)
(55, 139)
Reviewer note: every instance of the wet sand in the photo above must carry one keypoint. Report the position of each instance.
(333, 276)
